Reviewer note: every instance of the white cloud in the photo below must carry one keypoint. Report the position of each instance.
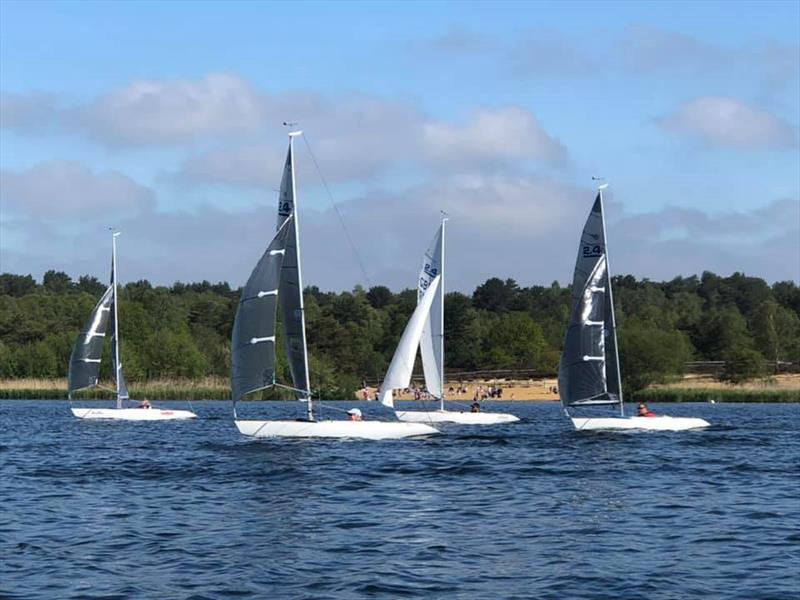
(764, 242)
(727, 122)
(70, 191)
(224, 120)
(493, 135)
(151, 112)
(522, 227)
(35, 112)
(145, 112)
(362, 137)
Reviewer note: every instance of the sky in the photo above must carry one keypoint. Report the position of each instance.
(165, 120)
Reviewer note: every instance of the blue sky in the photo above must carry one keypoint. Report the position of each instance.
(165, 120)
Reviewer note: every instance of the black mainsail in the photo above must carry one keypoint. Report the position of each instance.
(588, 373)
(253, 339)
(84, 363)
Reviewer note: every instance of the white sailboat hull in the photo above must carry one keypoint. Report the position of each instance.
(663, 423)
(133, 414)
(454, 416)
(367, 430)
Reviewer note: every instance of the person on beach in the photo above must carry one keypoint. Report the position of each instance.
(354, 414)
(145, 404)
(643, 411)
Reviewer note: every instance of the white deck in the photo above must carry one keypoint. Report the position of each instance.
(663, 423)
(133, 414)
(455, 416)
(368, 430)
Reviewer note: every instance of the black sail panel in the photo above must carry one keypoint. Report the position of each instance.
(291, 299)
(292, 314)
(84, 363)
(583, 373)
(253, 339)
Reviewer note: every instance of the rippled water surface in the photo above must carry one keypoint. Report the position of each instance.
(527, 510)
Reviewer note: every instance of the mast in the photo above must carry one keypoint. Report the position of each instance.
(441, 320)
(114, 234)
(292, 135)
(611, 300)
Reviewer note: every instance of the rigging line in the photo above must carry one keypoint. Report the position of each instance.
(338, 213)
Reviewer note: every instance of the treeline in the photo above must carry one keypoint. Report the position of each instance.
(184, 330)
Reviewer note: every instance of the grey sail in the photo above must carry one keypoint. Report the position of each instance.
(432, 340)
(253, 340)
(84, 363)
(588, 372)
(291, 300)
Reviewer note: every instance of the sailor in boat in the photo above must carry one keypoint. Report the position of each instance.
(643, 411)
(354, 414)
(145, 404)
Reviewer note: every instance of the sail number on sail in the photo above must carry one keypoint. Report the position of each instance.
(428, 275)
(592, 251)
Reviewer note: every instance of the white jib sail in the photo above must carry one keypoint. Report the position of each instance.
(430, 343)
(399, 373)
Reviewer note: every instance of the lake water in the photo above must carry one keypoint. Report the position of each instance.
(527, 510)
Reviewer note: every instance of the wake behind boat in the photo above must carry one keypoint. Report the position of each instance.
(84, 363)
(589, 372)
(277, 281)
(425, 329)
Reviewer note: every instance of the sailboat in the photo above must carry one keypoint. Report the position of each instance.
(425, 329)
(589, 371)
(276, 282)
(84, 363)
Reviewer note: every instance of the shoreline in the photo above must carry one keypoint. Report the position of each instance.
(692, 388)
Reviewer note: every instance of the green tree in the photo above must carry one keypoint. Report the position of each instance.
(650, 355)
(36, 360)
(720, 331)
(90, 285)
(379, 296)
(462, 336)
(171, 353)
(56, 282)
(495, 295)
(742, 364)
(514, 341)
(16, 285)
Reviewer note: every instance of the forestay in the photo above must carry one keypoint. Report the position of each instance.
(588, 372)
(432, 341)
(399, 373)
(253, 340)
(291, 297)
(84, 363)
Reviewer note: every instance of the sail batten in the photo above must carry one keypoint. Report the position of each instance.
(588, 372)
